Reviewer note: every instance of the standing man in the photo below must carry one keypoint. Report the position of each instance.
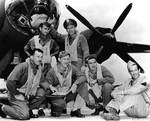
(23, 85)
(100, 81)
(68, 80)
(76, 44)
(46, 44)
(132, 98)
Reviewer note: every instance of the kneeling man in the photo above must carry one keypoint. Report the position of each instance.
(23, 88)
(100, 81)
(68, 80)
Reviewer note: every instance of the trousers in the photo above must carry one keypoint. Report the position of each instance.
(77, 98)
(133, 105)
(20, 109)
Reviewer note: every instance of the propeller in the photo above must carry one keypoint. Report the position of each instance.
(133, 48)
(121, 18)
(87, 23)
(122, 54)
(126, 57)
(82, 19)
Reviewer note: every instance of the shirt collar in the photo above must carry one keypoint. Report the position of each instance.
(62, 70)
(45, 38)
(34, 66)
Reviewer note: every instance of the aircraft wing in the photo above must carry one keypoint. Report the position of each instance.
(133, 48)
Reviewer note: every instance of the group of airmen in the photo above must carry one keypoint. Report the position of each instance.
(71, 81)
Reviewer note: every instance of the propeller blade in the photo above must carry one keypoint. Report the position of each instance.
(126, 57)
(133, 48)
(121, 18)
(82, 19)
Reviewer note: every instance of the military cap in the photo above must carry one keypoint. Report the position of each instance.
(69, 22)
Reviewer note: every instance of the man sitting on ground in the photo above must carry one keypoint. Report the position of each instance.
(132, 98)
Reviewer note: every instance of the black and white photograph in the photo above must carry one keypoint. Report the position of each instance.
(74, 60)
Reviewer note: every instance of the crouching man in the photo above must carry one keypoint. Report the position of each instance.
(100, 81)
(66, 79)
(22, 84)
(132, 97)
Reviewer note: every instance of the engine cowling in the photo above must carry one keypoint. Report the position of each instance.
(26, 15)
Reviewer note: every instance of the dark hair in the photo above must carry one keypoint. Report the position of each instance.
(92, 56)
(46, 24)
(36, 49)
(63, 54)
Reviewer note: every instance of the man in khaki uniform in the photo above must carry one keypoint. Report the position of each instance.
(23, 87)
(132, 97)
(100, 81)
(46, 44)
(66, 79)
(76, 44)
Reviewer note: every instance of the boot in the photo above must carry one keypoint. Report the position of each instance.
(41, 112)
(98, 109)
(77, 113)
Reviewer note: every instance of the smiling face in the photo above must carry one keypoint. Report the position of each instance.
(65, 61)
(134, 71)
(71, 29)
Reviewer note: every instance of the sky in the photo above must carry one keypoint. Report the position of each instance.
(104, 13)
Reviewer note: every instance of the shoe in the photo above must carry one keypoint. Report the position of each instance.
(113, 110)
(96, 112)
(111, 116)
(2, 114)
(64, 111)
(55, 114)
(98, 109)
(41, 112)
(33, 115)
(93, 106)
(77, 113)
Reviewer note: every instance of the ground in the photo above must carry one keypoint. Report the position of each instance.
(87, 118)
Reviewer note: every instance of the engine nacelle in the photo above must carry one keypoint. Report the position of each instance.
(26, 15)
